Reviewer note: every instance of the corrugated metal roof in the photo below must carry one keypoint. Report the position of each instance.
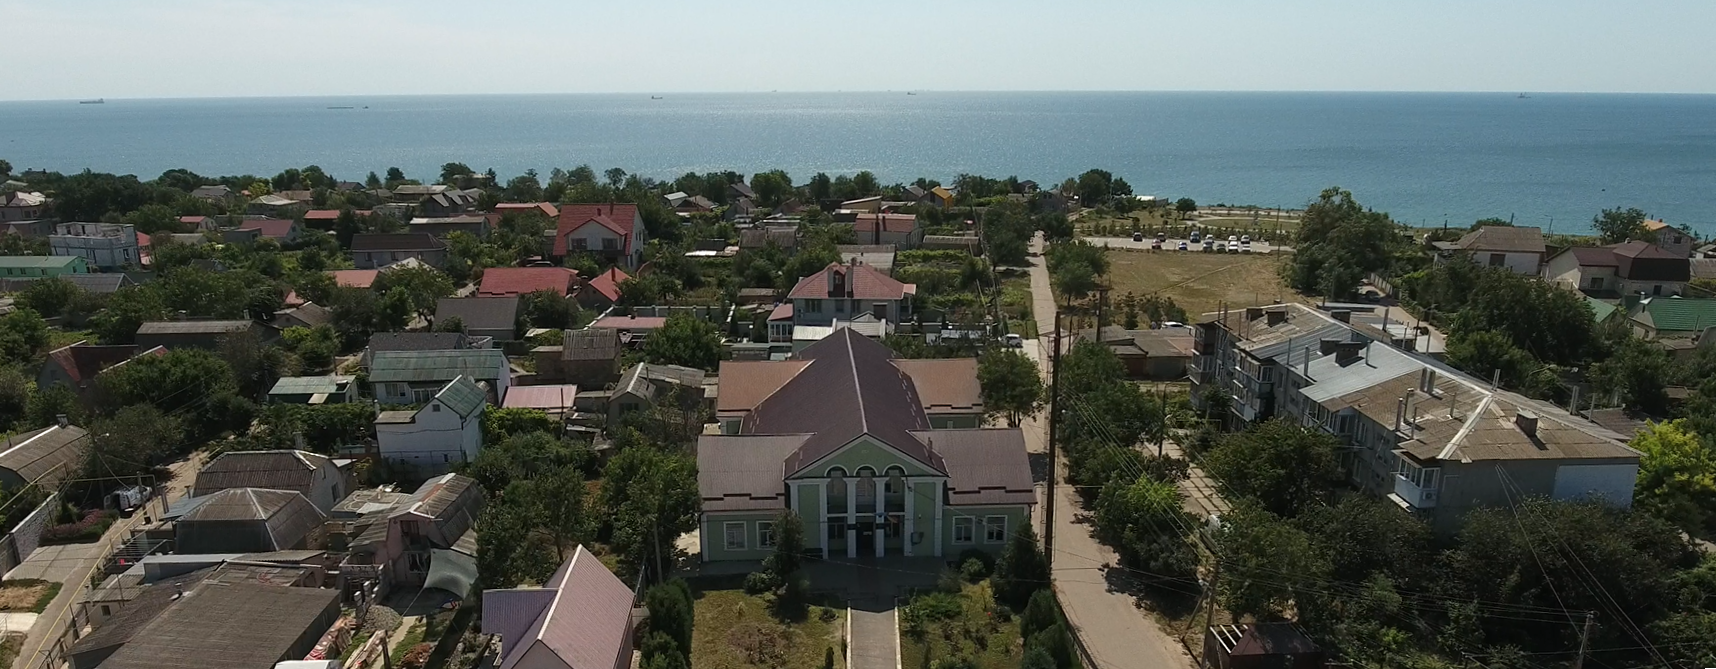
(548, 398)
(36, 262)
(309, 385)
(984, 466)
(274, 470)
(479, 313)
(463, 396)
(744, 472)
(192, 327)
(590, 344)
(421, 366)
(45, 456)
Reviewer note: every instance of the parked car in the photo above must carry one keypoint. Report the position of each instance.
(1155, 246)
(1232, 238)
(1173, 324)
(1197, 236)
(1245, 239)
(1013, 341)
(1161, 236)
(1209, 244)
(1182, 246)
(1233, 247)
(1137, 236)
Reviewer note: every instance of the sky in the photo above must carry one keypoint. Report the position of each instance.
(71, 49)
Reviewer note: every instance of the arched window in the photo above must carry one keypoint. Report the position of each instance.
(866, 483)
(896, 480)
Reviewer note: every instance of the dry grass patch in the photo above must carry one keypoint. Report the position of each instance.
(1197, 281)
(734, 630)
(27, 595)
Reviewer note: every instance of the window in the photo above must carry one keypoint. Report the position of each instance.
(735, 536)
(836, 528)
(435, 408)
(765, 534)
(995, 529)
(1498, 259)
(840, 306)
(1596, 283)
(813, 306)
(421, 395)
(578, 244)
(964, 530)
(610, 244)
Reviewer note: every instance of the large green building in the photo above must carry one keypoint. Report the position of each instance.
(35, 267)
(842, 438)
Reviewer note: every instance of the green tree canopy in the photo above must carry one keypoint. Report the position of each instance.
(1618, 225)
(685, 340)
(1011, 384)
(1677, 476)
(1284, 467)
(1338, 243)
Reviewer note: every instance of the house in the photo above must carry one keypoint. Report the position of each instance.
(355, 278)
(434, 200)
(1518, 249)
(612, 231)
(375, 250)
(740, 189)
(780, 324)
(645, 386)
(900, 230)
(914, 193)
(634, 330)
(515, 281)
(1629, 268)
(1152, 355)
(36, 228)
(21, 206)
(879, 256)
(108, 246)
(414, 377)
(414, 341)
(1670, 238)
(1670, 317)
(1412, 430)
(319, 479)
(865, 324)
(947, 389)
(447, 430)
(306, 315)
(195, 620)
(194, 334)
(246, 520)
(742, 210)
(321, 219)
(44, 457)
(199, 223)
(283, 230)
(756, 239)
(580, 618)
(100, 284)
(548, 209)
(474, 225)
(843, 291)
(589, 357)
(695, 204)
(216, 193)
(404, 540)
(314, 390)
(77, 366)
(1261, 646)
(495, 317)
(845, 443)
(557, 400)
(36, 267)
(941, 197)
(602, 291)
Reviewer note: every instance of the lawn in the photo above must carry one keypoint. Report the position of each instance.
(10, 646)
(27, 595)
(1199, 282)
(941, 625)
(734, 630)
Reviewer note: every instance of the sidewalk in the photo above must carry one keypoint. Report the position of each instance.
(1106, 619)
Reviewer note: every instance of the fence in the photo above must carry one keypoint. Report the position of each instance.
(24, 539)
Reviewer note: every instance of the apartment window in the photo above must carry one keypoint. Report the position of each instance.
(765, 534)
(813, 306)
(735, 536)
(964, 530)
(995, 529)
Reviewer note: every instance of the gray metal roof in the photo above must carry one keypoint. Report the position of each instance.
(479, 313)
(443, 366)
(463, 396)
(309, 385)
(192, 327)
(45, 456)
(416, 341)
(237, 625)
(274, 470)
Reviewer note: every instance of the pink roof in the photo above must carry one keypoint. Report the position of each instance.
(608, 283)
(272, 228)
(630, 322)
(193, 220)
(782, 312)
(622, 219)
(504, 281)
(144, 241)
(547, 398)
(322, 215)
(863, 282)
(355, 278)
(584, 624)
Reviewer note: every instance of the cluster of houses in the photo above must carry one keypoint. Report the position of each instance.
(1645, 284)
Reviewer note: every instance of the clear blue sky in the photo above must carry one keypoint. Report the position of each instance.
(63, 49)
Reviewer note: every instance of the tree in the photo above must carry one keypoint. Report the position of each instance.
(421, 287)
(1095, 188)
(652, 498)
(672, 614)
(788, 555)
(46, 405)
(684, 340)
(1677, 475)
(395, 176)
(520, 456)
(506, 556)
(549, 309)
(1491, 223)
(1185, 205)
(15, 391)
(1267, 564)
(772, 187)
(1618, 225)
(1011, 385)
(22, 333)
(1145, 522)
(1338, 243)
(1282, 466)
(1021, 571)
(556, 501)
(1639, 372)
(185, 382)
(1074, 267)
(133, 441)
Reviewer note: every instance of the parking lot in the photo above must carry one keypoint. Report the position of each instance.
(1173, 244)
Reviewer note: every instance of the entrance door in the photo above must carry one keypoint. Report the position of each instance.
(866, 538)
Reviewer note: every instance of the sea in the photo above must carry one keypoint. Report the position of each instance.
(1550, 160)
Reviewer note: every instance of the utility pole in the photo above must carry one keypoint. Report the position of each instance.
(1054, 433)
(1584, 641)
(1209, 607)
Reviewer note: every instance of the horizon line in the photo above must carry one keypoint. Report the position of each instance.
(1528, 92)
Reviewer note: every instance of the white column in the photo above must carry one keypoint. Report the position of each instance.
(937, 489)
(851, 517)
(881, 528)
(911, 525)
(703, 539)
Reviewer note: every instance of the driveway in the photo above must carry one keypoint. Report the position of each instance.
(1108, 622)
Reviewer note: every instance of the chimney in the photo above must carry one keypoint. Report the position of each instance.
(1347, 352)
(1399, 413)
(1253, 313)
(1410, 417)
(1276, 316)
(1427, 381)
(64, 422)
(1573, 406)
(1328, 346)
(1342, 315)
(1527, 422)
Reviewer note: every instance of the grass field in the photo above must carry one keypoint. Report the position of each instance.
(734, 630)
(1199, 282)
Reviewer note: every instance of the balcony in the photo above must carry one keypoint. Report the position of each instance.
(1414, 496)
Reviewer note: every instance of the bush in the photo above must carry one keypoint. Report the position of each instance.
(949, 582)
(670, 613)
(86, 530)
(759, 582)
(973, 570)
(826, 614)
(417, 657)
(937, 606)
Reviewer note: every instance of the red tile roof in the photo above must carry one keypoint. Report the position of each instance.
(862, 282)
(355, 278)
(622, 219)
(503, 281)
(82, 361)
(608, 283)
(781, 312)
(272, 228)
(144, 241)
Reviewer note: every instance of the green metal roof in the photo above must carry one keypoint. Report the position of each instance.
(1680, 314)
(1602, 310)
(32, 262)
(463, 396)
(309, 385)
(417, 366)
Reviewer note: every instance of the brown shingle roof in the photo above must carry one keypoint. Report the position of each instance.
(745, 384)
(945, 385)
(83, 361)
(744, 472)
(1502, 239)
(984, 466)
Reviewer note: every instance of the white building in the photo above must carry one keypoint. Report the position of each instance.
(1518, 249)
(104, 245)
(447, 430)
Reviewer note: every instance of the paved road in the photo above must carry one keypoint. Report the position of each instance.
(1171, 244)
(875, 641)
(1115, 632)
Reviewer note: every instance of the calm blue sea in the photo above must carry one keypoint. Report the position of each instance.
(1423, 157)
